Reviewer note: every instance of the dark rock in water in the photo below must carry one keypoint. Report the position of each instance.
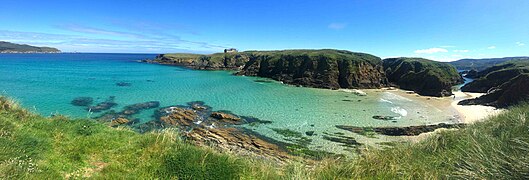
(344, 140)
(250, 119)
(136, 108)
(82, 101)
(122, 84)
(309, 133)
(225, 116)
(400, 131)
(106, 105)
(148, 80)
(263, 81)
(385, 118)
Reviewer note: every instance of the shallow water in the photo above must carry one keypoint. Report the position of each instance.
(47, 83)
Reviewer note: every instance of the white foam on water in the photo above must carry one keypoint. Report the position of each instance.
(385, 100)
(399, 110)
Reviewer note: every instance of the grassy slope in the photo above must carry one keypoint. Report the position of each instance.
(35, 147)
(444, 71)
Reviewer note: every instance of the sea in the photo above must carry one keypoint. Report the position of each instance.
(47, 83)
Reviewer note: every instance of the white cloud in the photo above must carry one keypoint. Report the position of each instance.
(520, 44)
(337, 26)
(448, 46)
(491, 47)
(461, 50)
(430, 51)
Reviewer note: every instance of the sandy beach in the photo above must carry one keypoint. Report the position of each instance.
(472, 113)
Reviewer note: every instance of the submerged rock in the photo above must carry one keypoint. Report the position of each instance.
(122, 84)
(224, 116)
(136, 108)
(106, 105)
(344, 140)
(400, 131)
(82, 101)
(386, 118)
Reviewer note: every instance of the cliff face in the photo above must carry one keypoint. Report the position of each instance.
(423, 76)
(505, 84)
(496, 75)
(510, 93)
(331, 69)
(327, 68)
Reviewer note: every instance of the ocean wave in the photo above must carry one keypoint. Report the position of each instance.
(385, 100)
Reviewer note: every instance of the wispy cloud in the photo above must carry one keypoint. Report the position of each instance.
(461, 50)
(491, 47)
(520, 44)
(98, 31)
(430, 51)
(337, 26)
(110, 42)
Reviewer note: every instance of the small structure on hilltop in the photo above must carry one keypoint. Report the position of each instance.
(230, 50)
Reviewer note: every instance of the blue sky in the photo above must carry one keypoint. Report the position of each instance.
(443, 30)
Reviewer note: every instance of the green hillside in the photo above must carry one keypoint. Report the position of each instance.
(7, 47)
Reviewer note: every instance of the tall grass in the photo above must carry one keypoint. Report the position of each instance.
(34, 147)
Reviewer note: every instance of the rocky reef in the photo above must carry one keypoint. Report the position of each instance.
(505, 85)
(399, 131)
(425, 77)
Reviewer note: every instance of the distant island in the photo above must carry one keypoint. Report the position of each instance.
(7, 47)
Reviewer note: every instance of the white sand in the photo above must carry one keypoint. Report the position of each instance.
(472, 113)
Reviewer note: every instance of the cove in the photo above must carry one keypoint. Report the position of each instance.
(47, 84)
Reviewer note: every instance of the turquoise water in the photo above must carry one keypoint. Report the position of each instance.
(46, 84)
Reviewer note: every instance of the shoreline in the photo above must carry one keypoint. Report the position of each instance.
(472, 113)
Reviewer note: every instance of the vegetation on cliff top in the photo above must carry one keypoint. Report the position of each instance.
(7, 47)
(426, 77)
(35, 147)
(506, 84)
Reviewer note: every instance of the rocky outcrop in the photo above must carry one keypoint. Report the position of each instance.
(330, 69)
(494, 77)
(202, 126)
(505, 85)
(400, 131)
(425, 77)
(327, 68)
(218, 61)
(512, 92)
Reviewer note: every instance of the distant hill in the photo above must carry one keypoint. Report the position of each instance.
(426, 77)
(482, 64)
(7, 47)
